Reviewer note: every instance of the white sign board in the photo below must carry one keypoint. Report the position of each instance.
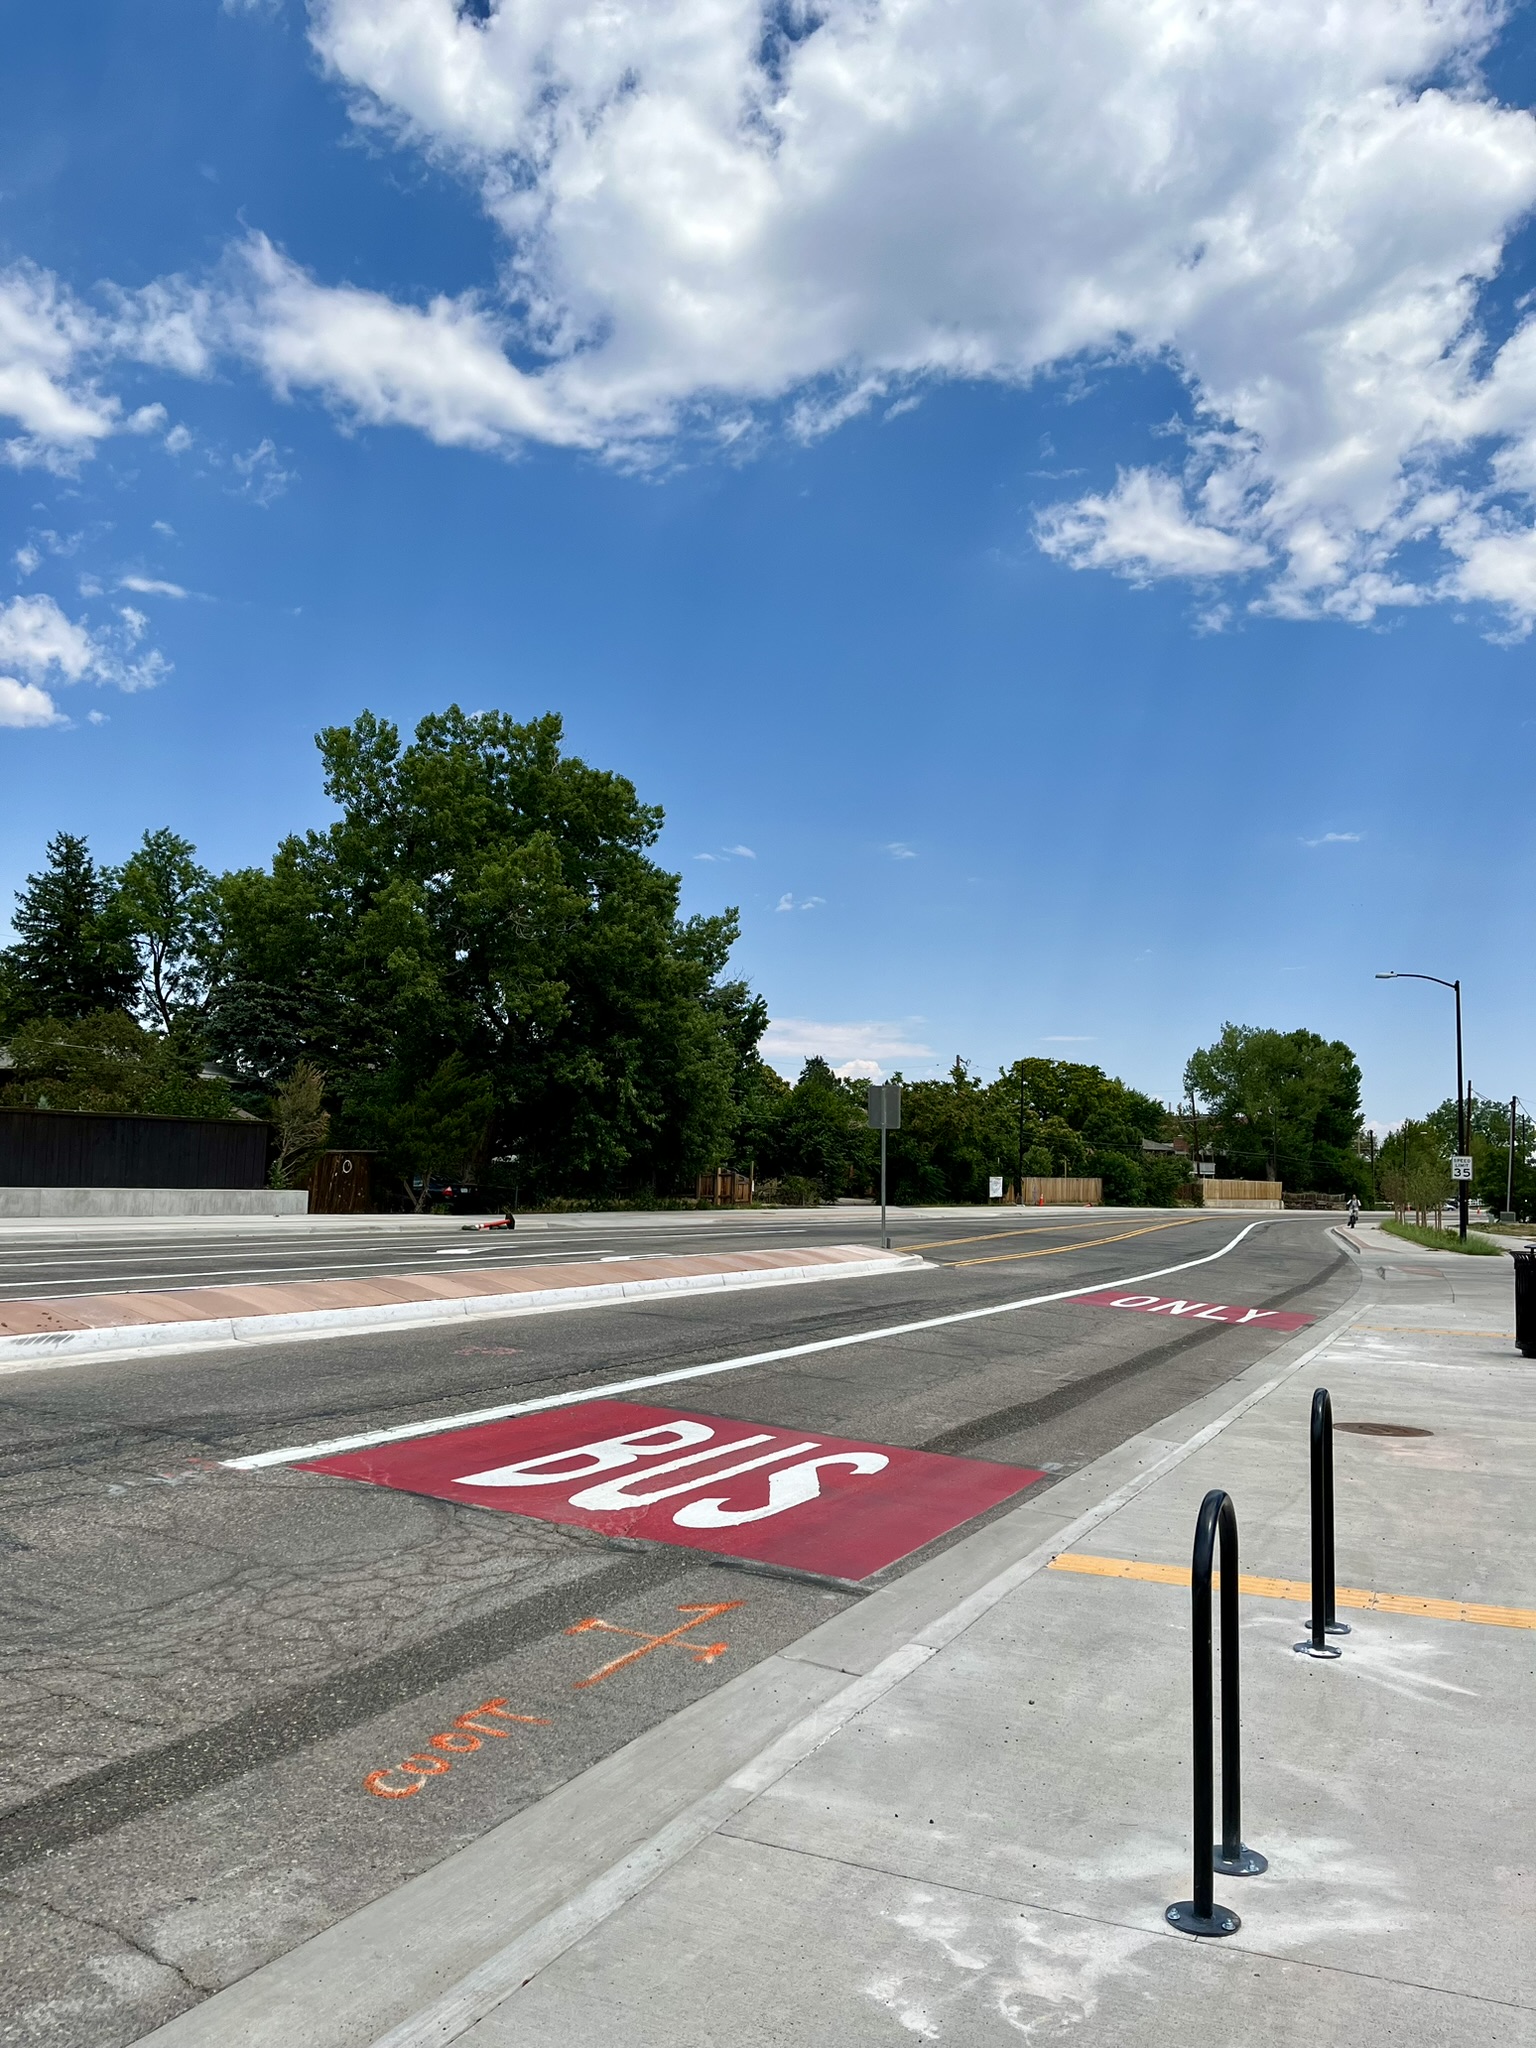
(1461, 1166)
(995, 1188)
(1206, 1168)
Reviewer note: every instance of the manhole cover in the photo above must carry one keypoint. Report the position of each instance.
(1382, 1429)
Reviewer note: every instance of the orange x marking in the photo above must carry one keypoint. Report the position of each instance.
(701, 1653)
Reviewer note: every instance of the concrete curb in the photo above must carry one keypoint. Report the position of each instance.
(141, 1340)
(421, 1965)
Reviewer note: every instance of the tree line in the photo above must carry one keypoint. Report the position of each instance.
(478, 971)
(1413, 1164)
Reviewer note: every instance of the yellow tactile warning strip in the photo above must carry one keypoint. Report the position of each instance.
(1299, 1589)
(1419, 1330)
(1051, 1251)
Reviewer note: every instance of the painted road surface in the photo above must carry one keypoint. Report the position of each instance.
(238, 1704)
(823, 1504)
(1175, 1306)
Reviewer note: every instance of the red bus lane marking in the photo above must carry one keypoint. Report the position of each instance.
(701, 1653)
(807, 1501)
(469, 1728)
(1199, 1311)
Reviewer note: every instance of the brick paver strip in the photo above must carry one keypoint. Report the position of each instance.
(265, 1298)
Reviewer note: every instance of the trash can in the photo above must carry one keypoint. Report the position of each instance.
(1525, 1302)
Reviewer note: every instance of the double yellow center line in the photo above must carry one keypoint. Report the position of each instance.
(1049, 1251)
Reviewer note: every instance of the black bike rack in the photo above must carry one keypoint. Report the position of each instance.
(1201, 1914)
(1323, 1623)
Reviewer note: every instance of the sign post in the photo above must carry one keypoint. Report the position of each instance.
(884, 1115)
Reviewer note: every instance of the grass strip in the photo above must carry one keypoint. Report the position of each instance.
(1443, 1240)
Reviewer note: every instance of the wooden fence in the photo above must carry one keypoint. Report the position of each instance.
(723, 1186)
(1073, 1190)
(1242, 1194)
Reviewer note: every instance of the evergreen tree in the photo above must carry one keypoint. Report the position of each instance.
(71, 957)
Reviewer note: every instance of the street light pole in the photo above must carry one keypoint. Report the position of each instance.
(1461, 1093)
(1509, 1178)
(1019, 1189)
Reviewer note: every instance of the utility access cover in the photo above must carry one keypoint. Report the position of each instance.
(789, 1497)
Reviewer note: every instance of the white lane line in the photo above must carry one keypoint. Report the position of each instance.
(336, 1445)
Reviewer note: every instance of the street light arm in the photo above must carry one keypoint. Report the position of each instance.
(1461, 1090)
(1437, 979)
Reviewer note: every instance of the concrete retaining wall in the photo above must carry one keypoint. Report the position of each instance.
(21, 1202)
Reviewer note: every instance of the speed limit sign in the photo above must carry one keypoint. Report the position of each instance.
(1461, 1166)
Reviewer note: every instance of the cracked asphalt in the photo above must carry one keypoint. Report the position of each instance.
(201, 1669)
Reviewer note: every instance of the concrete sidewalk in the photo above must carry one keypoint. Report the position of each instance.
(958, 1811)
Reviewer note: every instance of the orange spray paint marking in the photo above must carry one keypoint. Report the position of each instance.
(427, 1764)
(701, 1653)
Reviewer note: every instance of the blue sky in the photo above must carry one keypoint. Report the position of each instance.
(1089, 568)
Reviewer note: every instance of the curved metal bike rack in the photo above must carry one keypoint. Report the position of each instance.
(1323, 1623)
(1201, 1914)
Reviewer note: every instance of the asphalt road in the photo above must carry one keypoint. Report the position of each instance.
(201, 1667)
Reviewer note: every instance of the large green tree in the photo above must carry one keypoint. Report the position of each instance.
(169, 908)
(1282, 1105)
(487, 899)
(108, 1062)
(819, 1131)
(72, 954)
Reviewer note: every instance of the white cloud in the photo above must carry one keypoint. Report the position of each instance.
(44, 388)
(867, 1048)
(443, 370)
(53, 348)
(177, 442)
(40, 642)
(1292, 208)
(262, 476)
(35, 637)
(24, 704)
(1143, 528)
(1335, 839)
(1066, 1038)
(26, 559)
(150, 586)
(787, 902)
(1274, 202)
(900, 850)
(739, 852)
